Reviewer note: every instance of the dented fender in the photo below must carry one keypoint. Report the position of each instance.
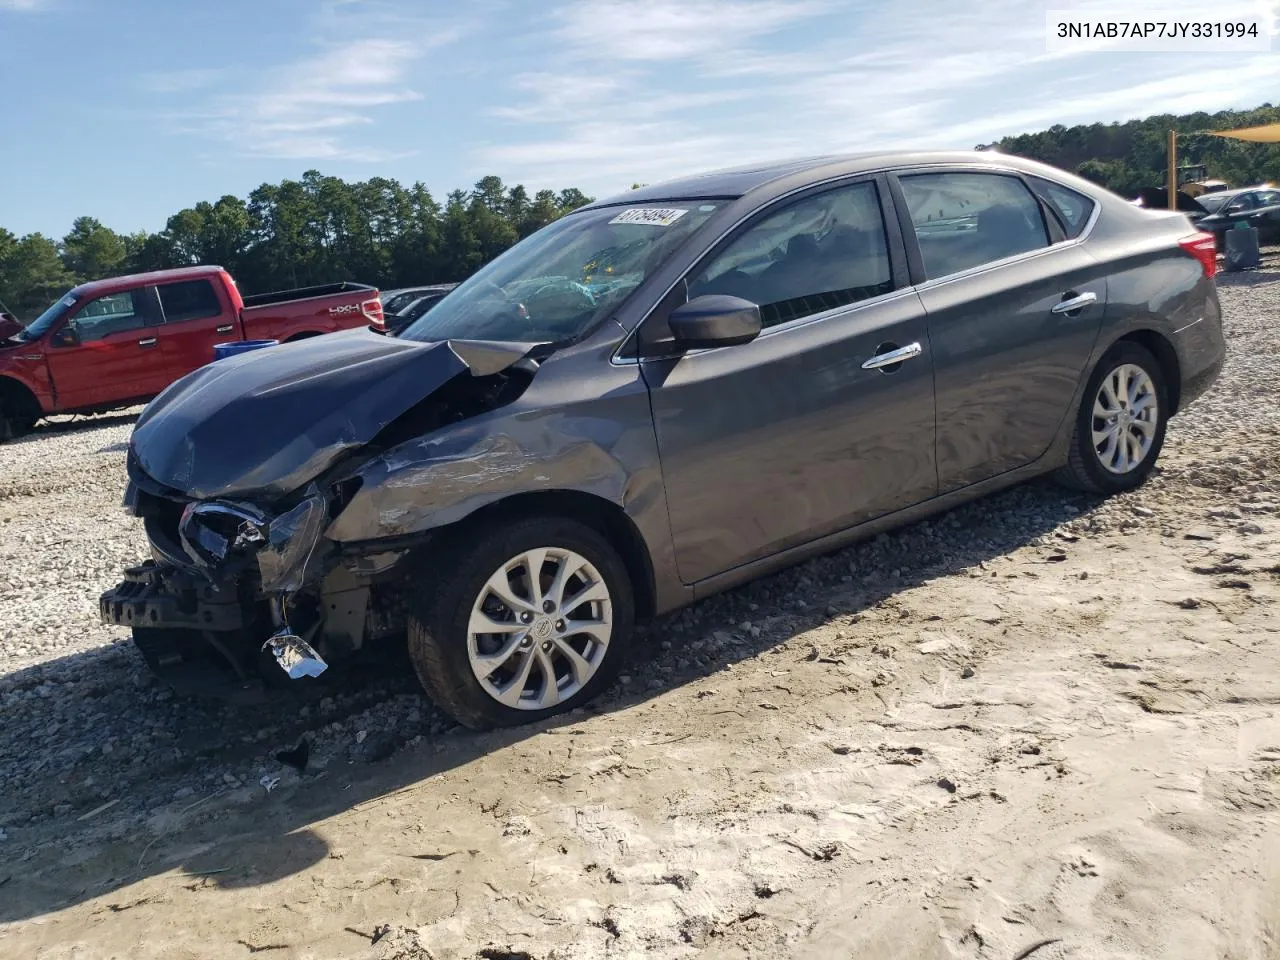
(585, 444)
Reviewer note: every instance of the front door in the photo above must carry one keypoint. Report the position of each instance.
(1015, 305)
(114, 355)
(809, 429)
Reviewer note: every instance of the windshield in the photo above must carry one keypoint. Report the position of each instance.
(555, 285)
(38, 327)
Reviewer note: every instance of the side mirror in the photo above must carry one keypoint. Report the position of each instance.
(715, 321)
(66, 337)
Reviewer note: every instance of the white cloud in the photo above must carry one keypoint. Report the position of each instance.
(307, 110)
(667, 30)
(23, 5)
(637, 90)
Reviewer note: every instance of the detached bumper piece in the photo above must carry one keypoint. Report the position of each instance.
(147, 598)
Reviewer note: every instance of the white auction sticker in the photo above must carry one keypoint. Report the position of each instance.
(653, 216)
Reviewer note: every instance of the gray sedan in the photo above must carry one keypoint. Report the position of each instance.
(655, 398)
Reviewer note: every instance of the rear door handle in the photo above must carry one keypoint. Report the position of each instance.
(226, 329)
(1073, 304)
(889, 358)
(148, 342)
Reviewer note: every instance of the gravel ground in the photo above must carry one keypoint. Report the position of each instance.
(102, 765)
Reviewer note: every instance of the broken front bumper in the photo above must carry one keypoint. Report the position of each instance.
(149, 596)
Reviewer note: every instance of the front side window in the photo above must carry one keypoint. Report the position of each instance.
(557, 283)
(189, 300)
(819, 253)
(965, 220)
(114, 313)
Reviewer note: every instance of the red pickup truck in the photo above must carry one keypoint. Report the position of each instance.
(113, 343)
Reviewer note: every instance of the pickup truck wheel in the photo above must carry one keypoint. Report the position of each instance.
(1121, 423)
(14, 423)
(527, 620)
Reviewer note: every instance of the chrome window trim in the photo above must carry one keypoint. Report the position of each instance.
(616, 360)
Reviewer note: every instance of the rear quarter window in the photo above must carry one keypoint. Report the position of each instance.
(1073, 208)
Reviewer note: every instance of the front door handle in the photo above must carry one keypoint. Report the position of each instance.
(147, 342)
(227, 328)
(891, 357)
(1072, 304)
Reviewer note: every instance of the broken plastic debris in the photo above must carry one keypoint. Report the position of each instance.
(296, 657)
(269, 782)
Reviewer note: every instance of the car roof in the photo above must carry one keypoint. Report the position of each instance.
(97, 288)
(736, 182)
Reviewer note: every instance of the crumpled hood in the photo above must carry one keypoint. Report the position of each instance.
(267, 421)
(8, 328)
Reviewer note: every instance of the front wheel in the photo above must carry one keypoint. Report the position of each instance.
(526, 621)
(1120, 426)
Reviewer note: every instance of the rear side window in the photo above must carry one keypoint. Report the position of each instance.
(1072, 208)
(964, 220)
(190, 300)
(817, 254)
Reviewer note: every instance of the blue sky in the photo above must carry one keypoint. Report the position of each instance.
(128, 110)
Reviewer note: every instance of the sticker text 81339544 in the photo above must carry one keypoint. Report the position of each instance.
(653, 216)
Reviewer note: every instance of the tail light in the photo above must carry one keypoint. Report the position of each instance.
(372, 309)
(1204, 248)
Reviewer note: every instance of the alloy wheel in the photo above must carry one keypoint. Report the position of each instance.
(540, 628)
(1126, 413)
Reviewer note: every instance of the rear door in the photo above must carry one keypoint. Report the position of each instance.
(810, 428)
(1014, 306)
(115, 355)
(196, 316)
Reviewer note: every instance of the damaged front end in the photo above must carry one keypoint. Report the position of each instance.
(238, 471)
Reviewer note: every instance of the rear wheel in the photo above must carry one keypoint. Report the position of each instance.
(526, 621)
(1120, 426)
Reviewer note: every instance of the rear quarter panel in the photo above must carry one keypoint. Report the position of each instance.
(1153, 285)
(327, 314)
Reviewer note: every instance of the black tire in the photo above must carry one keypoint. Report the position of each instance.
(438, 618)
(1084, 469)
(14, 424)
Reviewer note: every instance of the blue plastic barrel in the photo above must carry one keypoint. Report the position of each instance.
(223, 350)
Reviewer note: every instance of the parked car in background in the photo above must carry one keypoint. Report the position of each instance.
(654, 398)
(393, 301)
(1257, 206)
(398, 321)
(113, 343)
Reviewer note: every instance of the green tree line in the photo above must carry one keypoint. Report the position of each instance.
(1126, 157)
(295, 233)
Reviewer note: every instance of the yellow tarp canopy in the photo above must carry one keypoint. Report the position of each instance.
(1267, 133)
